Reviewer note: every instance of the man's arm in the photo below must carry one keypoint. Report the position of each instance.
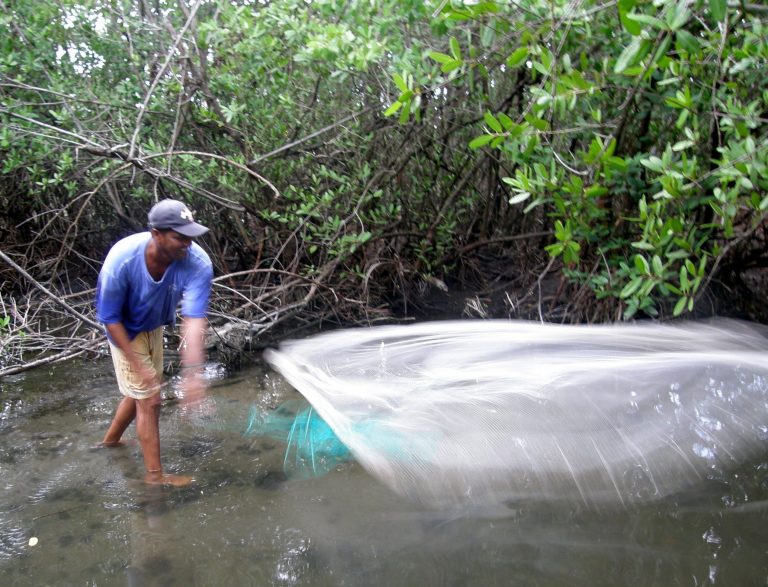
(194, 308)
(192, 358)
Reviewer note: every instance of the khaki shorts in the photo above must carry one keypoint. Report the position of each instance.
(149, 347)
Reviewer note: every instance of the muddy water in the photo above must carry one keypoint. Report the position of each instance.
(74, 516)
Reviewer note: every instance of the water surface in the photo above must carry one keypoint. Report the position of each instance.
(244, 522)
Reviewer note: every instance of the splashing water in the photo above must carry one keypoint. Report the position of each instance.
(492, 411)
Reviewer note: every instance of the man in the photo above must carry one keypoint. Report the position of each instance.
(141, 283)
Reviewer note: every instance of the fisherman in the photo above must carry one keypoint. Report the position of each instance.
(141, 283)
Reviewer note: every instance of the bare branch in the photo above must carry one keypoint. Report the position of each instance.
(159, 75)
(56, 299)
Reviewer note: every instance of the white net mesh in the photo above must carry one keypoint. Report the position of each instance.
(493, 411)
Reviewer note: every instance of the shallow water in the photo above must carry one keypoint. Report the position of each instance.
(245, 523)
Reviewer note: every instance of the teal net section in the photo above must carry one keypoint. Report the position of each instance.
(312, 448)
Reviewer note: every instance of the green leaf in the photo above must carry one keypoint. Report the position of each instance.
(554, 249)
(675, 255)
(506, 121)
(488, 34)
(679, 306)
(617, 163)
(649, 20)
(536, 122)
(596, 190)
(628, 55)
(392, 109)
(455, 48)
(718, 9)
(679, 16)
(631, 26)
(440, 57)
(571, 252)
(480, 141)
(541, 68)
(450, 66)
(536, 202)
(627, 5)
(682, 145)
(520, 197)
(530, 147)
(642, 265)
(491, 121)
(658, 267)
(405, 113)
(631, 287)
(662, 50)
(653, 163)
(546, 57)
(518, 57)
(631, 309)
(687, 42)
(400, 82)
(560, 232)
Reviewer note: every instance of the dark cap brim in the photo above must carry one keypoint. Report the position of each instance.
(192, 230)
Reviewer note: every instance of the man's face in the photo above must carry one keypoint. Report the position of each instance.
(172, 244)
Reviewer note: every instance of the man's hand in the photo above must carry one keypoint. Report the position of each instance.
(149, 378)
(193, 388)
(193, 384)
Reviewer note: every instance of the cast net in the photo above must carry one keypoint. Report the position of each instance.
(312, 447)
(492, 411)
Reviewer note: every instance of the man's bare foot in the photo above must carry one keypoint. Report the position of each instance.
(160, 478)
(117, 444)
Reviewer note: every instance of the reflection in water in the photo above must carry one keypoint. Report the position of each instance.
(155, 558)
(245, 522)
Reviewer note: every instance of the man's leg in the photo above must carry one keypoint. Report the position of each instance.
(148, 346)
(143, 405)
(148, 431)
(124, 415)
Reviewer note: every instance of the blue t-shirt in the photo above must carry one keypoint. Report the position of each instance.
(127, 293)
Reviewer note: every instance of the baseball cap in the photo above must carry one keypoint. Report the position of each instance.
(175, 215)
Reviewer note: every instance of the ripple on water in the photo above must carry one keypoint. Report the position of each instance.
(13, 541)
(294, 561)
(58, 486)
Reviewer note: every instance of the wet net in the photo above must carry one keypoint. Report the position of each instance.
(312, 448)
(492, 411)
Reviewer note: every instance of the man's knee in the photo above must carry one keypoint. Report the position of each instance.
(148, 404)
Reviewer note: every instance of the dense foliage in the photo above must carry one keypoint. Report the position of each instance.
(637, 126)
(355, 152)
